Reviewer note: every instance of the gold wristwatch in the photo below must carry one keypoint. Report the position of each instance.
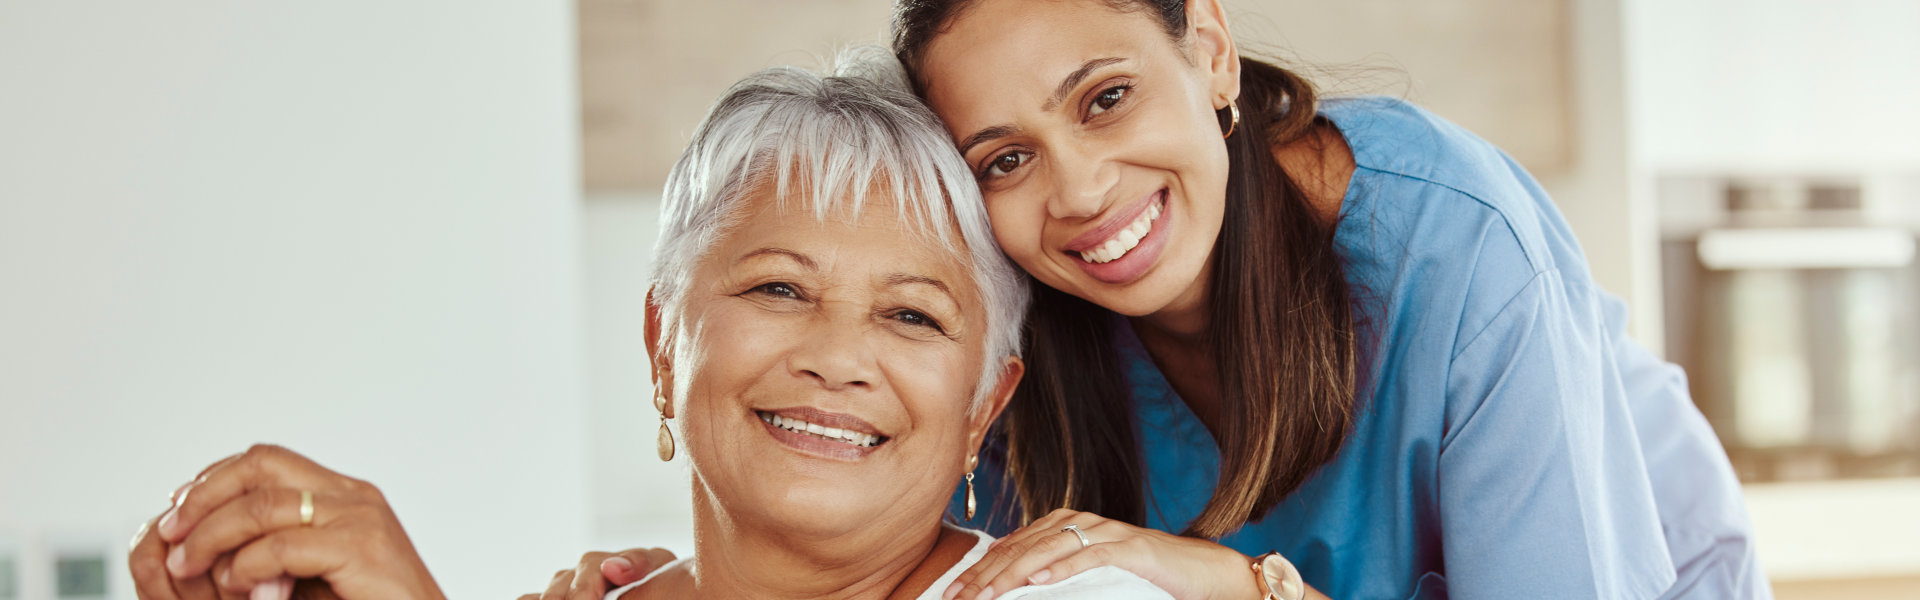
(1278, 578)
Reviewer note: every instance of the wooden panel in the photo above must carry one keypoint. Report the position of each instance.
(649, 68)
(1496, 67)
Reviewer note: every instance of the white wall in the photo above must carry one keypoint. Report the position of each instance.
(637, 500)
(1775, 84)
(347, 227)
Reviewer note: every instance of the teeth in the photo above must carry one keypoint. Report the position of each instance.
(1125, 240)
(864, 440)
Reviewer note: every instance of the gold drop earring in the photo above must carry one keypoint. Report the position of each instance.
(972, 461)
(665, 407)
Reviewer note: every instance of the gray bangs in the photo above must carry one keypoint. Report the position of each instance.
(839, 141)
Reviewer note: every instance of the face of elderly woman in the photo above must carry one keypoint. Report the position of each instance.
(824, 370)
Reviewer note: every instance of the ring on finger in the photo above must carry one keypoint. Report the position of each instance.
(306, 508)
(1075, 530)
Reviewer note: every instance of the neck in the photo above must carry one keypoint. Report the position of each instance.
(738, 560)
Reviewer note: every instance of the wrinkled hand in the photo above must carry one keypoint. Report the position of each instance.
(1188, 568)
(235, 531)
(599, 572)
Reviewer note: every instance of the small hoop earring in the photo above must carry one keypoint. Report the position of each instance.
(665, 443)
(1233, 109)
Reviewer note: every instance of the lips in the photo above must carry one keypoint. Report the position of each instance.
(824, 434)
(1122, 220)
(1128, 238)
(1128, 244)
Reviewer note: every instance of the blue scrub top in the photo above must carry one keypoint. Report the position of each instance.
(1516, 443)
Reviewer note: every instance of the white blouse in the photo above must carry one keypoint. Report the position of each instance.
(1100, 582)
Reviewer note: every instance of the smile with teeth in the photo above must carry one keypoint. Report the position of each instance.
(845, 436)
(1125, 240)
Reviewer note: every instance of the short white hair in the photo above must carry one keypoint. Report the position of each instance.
(835, 138)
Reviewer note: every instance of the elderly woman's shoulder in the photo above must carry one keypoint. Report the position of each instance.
(1099, 582)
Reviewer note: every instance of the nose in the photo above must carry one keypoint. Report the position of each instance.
(1081, 181)
(835, 355)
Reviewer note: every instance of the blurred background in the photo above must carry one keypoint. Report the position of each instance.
(409, 238)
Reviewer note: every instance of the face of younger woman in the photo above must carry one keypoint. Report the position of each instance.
(1095, 141)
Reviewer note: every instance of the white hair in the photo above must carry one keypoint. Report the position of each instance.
(834, 138)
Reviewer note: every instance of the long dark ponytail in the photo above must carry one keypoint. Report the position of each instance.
(1283, 328)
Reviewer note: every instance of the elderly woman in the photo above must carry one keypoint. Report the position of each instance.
(831, 331)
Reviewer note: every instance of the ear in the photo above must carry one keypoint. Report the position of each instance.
(658, 356)
(995, 403)
(1213, 49)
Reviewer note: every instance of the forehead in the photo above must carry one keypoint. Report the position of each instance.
(870, 236)
(998, 57)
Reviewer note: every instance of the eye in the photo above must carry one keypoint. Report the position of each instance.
(1107, 99)
(1004, 164)
(779, 288)
(918, 319)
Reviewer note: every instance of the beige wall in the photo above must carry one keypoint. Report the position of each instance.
(1498, 67)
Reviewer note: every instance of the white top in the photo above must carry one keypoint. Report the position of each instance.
(1100, 582)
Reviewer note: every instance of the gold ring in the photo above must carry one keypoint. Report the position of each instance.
(306, 508)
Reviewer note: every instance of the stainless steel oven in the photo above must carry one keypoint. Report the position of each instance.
(1791, 301)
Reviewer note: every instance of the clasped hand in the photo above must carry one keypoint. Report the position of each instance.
(236, 530)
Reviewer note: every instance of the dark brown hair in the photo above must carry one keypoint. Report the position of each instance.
(1282, 323)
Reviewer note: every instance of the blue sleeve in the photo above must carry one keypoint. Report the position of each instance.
(1543, 492)
(1704, 517)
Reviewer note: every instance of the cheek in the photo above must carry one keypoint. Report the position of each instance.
(1018, 225)
(934, 383)
(1181, 137)
(734, 350)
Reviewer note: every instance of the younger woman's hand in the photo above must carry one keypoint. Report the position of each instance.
(240, 524)
(599, 572)
(1188, 568)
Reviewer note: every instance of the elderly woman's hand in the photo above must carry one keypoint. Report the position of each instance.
(599, 572)
(1042, 552)
(253, 523)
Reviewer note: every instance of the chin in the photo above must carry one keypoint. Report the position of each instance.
(818, 509)
(1147, 295)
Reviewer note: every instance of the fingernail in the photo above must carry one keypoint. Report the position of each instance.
(986, 594)
(169, 522)
(1041, 577)
(135, 543)
(269, 590)
(617, 562)
(179, 493)
(177, 561)
(951, 591)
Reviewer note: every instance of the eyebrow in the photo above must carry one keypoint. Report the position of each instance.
(1072, 80)
(804, 260)
(898, 279)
